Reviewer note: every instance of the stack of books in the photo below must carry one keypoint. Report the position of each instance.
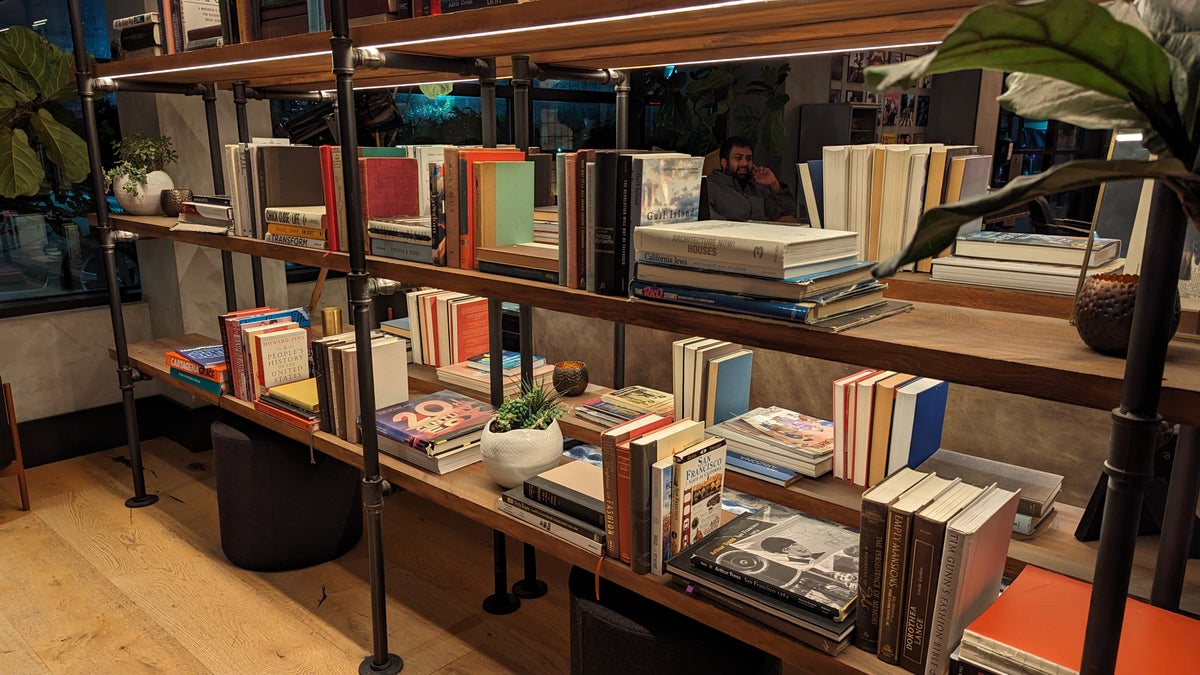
(566, 501)
(439, 432)
(808, 276)
(1028, 262)
(794, 572)
(298, 399)
(883, 421)
(777, 445)
(212, 214)
(141, 35)
(933, 551)
(203, 367)
(475, 373)
(617, 407)
(1038, 489)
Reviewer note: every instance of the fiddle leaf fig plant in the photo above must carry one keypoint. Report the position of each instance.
(1121, 65)
(35, 77)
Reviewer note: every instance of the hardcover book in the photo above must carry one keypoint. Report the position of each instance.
(427, 421)
(574, 488)
(644, 452)
(1038, 488)
(1037, 248)
(698, 477)
(762, 245)
(803, 560)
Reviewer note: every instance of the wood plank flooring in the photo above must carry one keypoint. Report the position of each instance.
(88, 585)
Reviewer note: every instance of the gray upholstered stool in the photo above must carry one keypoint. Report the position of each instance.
(628, 634)
(278, 511)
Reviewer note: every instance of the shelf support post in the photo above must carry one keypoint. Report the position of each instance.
(381, 660)
(125, 373)
(521, 113)
(243, 125)
(622, 112)
(530, 586)
(218, 175)
(1179, 521)
(1135, 429)
(500, 601)
(487, 103)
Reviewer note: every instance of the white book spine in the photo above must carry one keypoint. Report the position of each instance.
(289, 240)
(297, 217)
(593, 547)
(135, 20)
(661, 475)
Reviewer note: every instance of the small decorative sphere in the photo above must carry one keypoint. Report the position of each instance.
(570, 377)
(172, 200)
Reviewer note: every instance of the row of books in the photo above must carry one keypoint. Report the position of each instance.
(295, 17)
(932, 555)
(710, 378)
(1038, 490)
(662, 485)
(1025, 261)
(885, 420)
(264, 347)
(880, 191)
(445, 327)
(336, 379)
(809, 276)
(623, 405)
(177, 26)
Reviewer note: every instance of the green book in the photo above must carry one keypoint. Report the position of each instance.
(215, 388)
(505, 202)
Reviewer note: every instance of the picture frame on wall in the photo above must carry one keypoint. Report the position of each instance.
(853, 96)
(872, 98)
(891, 109)
(835, 95)
(837, 64)
(857, 62)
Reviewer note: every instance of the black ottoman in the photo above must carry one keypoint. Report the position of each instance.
(628, 634)
(278, 511)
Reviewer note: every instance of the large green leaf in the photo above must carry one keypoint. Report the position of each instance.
(1038, 97)
(939, 226)
(20, 171)
(1071, 40)
(1175, 26)
(63, 146)
(64, 87)
(32, 56)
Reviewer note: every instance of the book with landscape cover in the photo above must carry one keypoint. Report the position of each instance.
(1038, 248)
(1038, 488)
(873, 534)
(574, 488)
(425, 421)
(806, 561)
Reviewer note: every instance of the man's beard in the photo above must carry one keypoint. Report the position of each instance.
(743, 178)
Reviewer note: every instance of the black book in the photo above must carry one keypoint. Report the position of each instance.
(141, 36)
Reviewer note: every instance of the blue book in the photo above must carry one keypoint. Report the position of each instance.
(917, 418)
(512, 360)
(767, 471)
(817, 175)
(728, 392)
(214, 388)
(207, 356)
(800, 312)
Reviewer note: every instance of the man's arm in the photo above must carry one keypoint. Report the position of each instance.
(779, 203)
(725, 202)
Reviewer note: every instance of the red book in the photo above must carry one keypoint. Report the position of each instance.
(329, 189)
(1042, 616)
(285, 416)
(609, 442)
(389, 188)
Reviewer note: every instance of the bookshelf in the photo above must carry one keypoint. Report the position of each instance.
(956, 343)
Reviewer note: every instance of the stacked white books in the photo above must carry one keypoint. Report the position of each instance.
(1025, 261)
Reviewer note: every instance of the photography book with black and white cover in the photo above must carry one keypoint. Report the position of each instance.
(807, 561)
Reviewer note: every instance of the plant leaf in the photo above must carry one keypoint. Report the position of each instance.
(21, 173)
(1175, 26)
(939, 226)
(436, 90)
(31, 56)
(1071, 40)
(1039, 97)
(63, 146)
(61, 86)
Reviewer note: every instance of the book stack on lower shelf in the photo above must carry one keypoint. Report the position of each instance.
(620, 406)
(787, 569)
(1025, 261)
(566, 501)
(811, 277)
(1038, 489)
(438, 432)
(777, 445)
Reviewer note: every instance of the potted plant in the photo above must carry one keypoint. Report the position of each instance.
(35, 79)
(138, 179)
(523, 439)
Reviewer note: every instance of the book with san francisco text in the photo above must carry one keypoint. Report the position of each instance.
(430, 421)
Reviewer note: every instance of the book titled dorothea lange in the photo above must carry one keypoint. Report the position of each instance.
(804, 560)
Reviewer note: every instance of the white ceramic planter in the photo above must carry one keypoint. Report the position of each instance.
(512, 456)
(148, 201)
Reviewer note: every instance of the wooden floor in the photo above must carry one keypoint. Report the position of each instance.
(88, 585)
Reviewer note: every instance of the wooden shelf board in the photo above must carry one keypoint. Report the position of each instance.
(590, 34)
(1039, 356)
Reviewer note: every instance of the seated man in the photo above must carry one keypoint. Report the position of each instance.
(739, 190)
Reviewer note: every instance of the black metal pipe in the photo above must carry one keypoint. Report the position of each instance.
(1135, 430)
(525, 335)
(267, 94)
(522, 110)
(218, 176)
(243, 126)
(373, 58)
(133, 86)
(381, 660)
(500, 601)
(622, 92)
(487, 103)
(125, 374)
(496, 350)
(1179, 519)
(544, 71)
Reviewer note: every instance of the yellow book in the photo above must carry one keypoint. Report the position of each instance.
(296, 231)
(301, 393)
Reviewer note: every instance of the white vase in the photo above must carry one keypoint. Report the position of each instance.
(510, 457)
(148, 201)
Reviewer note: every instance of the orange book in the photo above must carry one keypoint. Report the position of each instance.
(467, 159)
(1041, 619)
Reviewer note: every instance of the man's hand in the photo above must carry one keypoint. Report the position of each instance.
(765, 177)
